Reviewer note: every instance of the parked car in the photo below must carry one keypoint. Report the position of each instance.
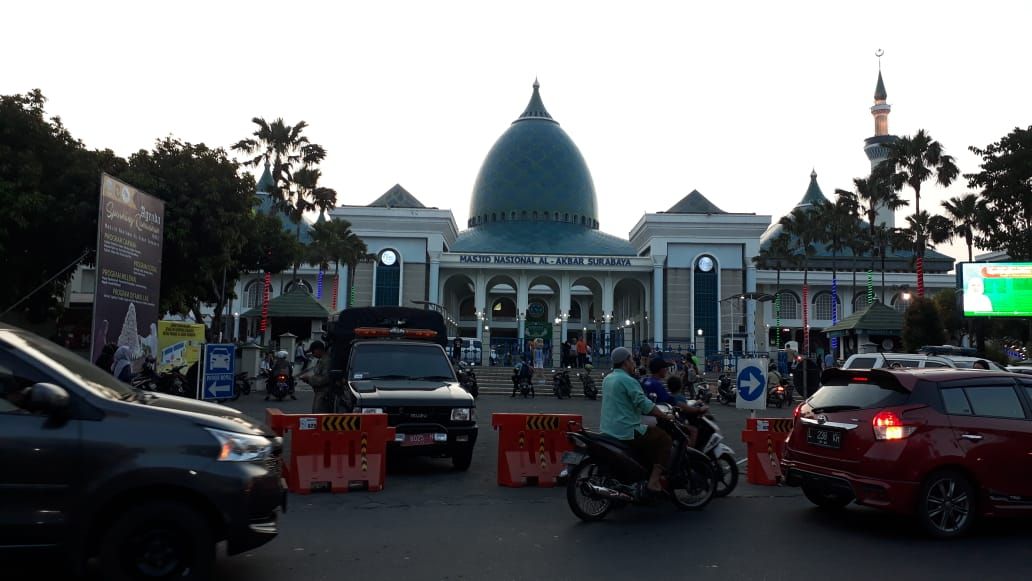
(966, 362)
(944, 445)
(906, 360)
(147, 482)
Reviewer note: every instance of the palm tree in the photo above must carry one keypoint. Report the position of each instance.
(963, 213)
(282, 146)
(838, 221)
(333, 241)
(777, 255)
(913, 161)
(803, 225)
(870, 195)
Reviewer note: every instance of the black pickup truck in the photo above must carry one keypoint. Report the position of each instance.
(392, 360)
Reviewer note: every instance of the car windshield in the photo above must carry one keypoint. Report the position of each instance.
(93, 377)
(855, 396)
(404, 360)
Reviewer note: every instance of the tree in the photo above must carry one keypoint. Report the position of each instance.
(308, 195)
(49, 190)
(868, 196)
(1005, 184)
(333, 241)
(210, 225)
(804, 227)
(838, 223)
(913, 160)
(964, 213)
(777, 255)
(921, 325)
(949, 314)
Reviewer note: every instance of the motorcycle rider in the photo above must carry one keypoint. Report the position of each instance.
(623, 404)
(281, 365)
(319, 378)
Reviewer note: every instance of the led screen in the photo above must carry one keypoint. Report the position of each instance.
(997, 289)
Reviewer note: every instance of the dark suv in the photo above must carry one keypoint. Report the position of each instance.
(392, 360)
(147, 482)
(946, 445)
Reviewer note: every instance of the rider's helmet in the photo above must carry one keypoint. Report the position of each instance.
(281, 354)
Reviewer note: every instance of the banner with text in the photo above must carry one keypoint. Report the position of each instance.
(129, 238)
(179, 344)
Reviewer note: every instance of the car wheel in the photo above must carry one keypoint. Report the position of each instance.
(462, 459)
(158, 540)
(826, 499)
(946, 506)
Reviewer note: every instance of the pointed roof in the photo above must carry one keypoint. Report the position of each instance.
(695, 203)
(535, 108)
(879, 91)
(265, 183)
(396, 197)
(877, 318)
(295, 303)
(321, 218)
(813, 195)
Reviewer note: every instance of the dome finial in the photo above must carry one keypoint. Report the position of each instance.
(813, 173)
(536, 108)
(537, 85)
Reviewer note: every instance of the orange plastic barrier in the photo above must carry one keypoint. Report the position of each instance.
(531, 446)
(765, 443)
(338, 452)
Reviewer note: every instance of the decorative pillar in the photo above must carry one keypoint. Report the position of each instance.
(657, 301)
(435, 277)
(480, 302)
(750, 310)
(522, 304)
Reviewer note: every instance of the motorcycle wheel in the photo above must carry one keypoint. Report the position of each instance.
(727, 474)
(587, 507)
(694, 487)
(722, 399)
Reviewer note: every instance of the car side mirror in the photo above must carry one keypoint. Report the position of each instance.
(49, 398)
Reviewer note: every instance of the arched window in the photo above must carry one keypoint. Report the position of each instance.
(387, 285)
(304, 284)
(859, 302)
(706, 297)
(503, 309)
(582, 220)
(534, 215)
(467, 310)
(789, 305)
(899, 303)
(494, 217)
(513, 215)
(557, 216)
(523, 215)
(253, 293)
(822, 306)
(566, 217)
(502, 216)
(575, 311)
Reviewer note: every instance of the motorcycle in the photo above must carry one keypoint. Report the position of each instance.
(602, 474)
(523, 385)
(776, 396)
(588, 383)
(468, 379)
(279, 385)
(243, 383)
(561, 386)
(710, 441)
(702, 392)
(726, 394)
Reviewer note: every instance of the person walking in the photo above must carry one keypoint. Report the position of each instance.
(582, 351)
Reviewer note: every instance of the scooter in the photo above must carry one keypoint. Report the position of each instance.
(702, 392)
(776, 396)
(603, 474)
(561, 383)
(279, 385)
(588, 383)
(467, 378)
(726, 394)
(523, 385)
(243, 383)
(710, 442)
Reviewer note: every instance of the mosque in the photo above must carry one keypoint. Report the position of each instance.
(532, 263)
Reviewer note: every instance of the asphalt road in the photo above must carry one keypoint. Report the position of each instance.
(434, 523)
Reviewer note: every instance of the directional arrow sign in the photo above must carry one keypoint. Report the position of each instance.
(752, 384)
(218, 371)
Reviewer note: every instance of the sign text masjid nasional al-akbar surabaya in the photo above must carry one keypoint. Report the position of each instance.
(545, 260)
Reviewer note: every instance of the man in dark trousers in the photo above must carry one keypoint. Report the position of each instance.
(456, 350)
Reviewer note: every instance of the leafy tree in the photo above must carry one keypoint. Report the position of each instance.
(803, 226)
(49, 190)
(210, 225)
(308, 195)
(949, 314)
(838, 221)
(333, 241)
(777, 255)
(913, 160)
(964, 213)
(1005, 183)
(868, 196)
(921, 325)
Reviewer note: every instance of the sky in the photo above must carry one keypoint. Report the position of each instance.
(739, 100)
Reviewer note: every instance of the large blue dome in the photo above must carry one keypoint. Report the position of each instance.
(534, 172)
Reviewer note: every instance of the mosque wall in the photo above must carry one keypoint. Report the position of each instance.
(678, 299)
(413, 280)
(364, 284)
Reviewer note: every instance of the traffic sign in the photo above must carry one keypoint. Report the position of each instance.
(218, 371)
(752, 384)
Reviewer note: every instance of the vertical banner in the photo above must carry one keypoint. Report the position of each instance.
(129, 238)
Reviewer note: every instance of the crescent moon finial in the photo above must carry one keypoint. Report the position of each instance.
(878, 53)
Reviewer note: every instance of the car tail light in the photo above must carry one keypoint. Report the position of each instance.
(889, 426)
(797, 411)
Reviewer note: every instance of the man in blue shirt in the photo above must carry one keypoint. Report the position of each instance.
(655, 384)
(623, 404)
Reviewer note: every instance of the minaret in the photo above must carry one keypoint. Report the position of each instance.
(874, 146)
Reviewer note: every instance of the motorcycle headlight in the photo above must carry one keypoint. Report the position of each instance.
(462, 415)
(237, 447)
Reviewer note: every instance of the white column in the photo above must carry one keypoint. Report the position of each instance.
(522, 303)
(435, 277)
(564, 304)
(607, 313)
(480, 301)
(750, 310)
(657, 300)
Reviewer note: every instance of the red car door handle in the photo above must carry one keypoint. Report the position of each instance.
(972, 437)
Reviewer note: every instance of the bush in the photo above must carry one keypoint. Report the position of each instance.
(922, 325)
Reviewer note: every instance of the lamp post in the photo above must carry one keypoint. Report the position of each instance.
(236, 325)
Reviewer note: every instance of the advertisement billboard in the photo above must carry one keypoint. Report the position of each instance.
(129, 238)
(997, 289)
(178, 344)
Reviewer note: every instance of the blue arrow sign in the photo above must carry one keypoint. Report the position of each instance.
(751, 383)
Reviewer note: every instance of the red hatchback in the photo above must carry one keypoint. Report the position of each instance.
(945, 445)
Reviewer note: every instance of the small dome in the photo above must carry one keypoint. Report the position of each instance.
(534, 172)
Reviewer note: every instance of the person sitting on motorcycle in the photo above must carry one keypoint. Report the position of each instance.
(773, 377)
(623, 404)
(655, 388)
(675, 386)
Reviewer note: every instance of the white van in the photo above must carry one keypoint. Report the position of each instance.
(905, 360)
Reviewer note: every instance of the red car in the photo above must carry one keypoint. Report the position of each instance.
(945, 445)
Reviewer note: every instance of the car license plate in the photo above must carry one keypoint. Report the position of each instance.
(824, 438)
(418, 440)
(572, 458)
